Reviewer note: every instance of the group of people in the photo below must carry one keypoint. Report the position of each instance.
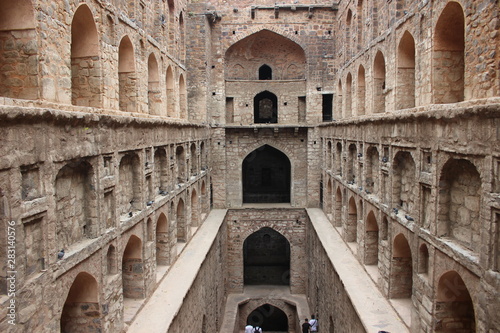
(310, 325)
(307, 327)
(252, 329)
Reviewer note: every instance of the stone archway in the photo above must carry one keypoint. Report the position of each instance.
(266, 258)
(269, 318)
(81, 311)
(266, 176)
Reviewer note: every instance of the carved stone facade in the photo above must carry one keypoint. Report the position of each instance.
(123, 124)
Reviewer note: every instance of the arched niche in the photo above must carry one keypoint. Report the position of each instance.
(405, 88)
(454, 306)
(448, 61)
(162, 241)
(265, 105)
(127, 76)
(266, 176)
(266, 258)
(133, 269)
(265, 47)
(81, 311)
(19, 53)
(76, 204)
(265, 72)
(86, 68)
(401, 276)
(379, 83)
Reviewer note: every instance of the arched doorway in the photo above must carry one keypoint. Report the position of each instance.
(266, 258)
(269, 318)
(265, 105)
(454, 307)
(81, 311)
(133, 269)
(266, 176)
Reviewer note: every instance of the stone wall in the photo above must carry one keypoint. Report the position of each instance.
(430, 168)
(203, 307)
(68, 171)
(325, 290)
(288, 222)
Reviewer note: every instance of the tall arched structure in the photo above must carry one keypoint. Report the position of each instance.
(379, 83)
(154, 93)
(448, 55)
(133, 278)
(266, 174)
(126, 76)
(405, 87)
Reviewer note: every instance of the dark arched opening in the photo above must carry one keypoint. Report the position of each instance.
(266, 258)
(265, 108)
(266, 176)
(265, 73)
(269, 318)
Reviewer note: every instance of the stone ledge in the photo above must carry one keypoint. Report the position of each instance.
(167, 300)
(373, 309)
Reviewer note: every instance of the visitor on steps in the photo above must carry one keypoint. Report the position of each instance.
(314, 324)
(306, 326)
(257, 329)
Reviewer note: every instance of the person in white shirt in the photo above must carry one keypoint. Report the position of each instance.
(249, 329)
(314, 324)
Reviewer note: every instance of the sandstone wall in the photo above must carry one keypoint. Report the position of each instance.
(65, 173)
(434, 208)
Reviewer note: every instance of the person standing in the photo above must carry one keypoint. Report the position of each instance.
(306, 326)
(249, 329)
(314, 324)
(257, 329)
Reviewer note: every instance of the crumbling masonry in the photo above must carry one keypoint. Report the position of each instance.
(269, 135)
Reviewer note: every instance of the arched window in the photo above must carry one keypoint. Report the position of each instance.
(265, 73)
